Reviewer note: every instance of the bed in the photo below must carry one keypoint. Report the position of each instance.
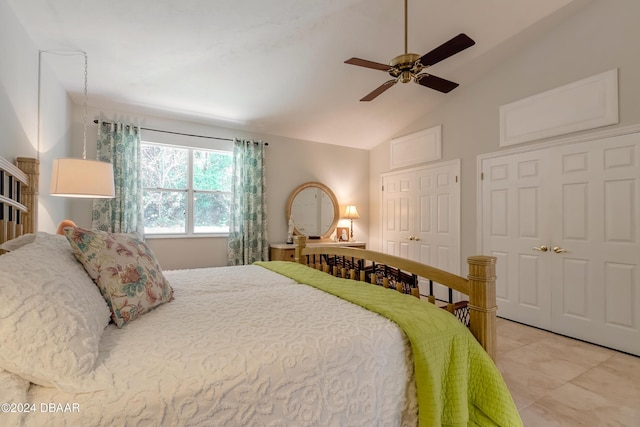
(270, 344)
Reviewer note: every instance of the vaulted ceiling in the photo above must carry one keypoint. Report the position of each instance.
(276, 67)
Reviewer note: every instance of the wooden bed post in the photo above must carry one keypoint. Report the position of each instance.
(31, 167)
(482, 297)
(300, 242)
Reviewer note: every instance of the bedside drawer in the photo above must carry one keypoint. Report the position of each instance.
(283, 252)
(280, 254)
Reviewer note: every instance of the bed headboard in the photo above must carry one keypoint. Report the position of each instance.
(18, 197)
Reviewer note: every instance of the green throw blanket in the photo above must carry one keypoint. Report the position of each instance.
(457, 382)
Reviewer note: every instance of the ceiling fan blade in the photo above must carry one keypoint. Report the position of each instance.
(435, 82)
(368, 64)
(447, 49)
(384, 86)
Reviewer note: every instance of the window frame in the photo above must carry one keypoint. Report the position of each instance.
(189, 191)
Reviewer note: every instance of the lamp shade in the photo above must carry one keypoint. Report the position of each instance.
(351, 212)
(82, 178)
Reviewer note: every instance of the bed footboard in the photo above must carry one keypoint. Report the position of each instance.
(478, 313)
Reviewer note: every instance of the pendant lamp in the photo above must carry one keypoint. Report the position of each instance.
(82, 178)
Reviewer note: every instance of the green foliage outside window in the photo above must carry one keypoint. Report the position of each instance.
(185, 186)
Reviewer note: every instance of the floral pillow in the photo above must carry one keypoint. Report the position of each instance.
(125, 270)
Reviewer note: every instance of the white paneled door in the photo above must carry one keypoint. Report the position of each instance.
(421, 216)
(564, 222)
(514, 226)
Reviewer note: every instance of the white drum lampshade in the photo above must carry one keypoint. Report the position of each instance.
(72, 177)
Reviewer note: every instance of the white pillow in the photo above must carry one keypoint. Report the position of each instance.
(13, 392)
(52, 317)
(18, 242)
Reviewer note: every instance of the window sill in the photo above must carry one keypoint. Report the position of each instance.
(186, 236)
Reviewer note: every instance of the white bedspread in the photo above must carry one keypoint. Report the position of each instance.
(242, 346)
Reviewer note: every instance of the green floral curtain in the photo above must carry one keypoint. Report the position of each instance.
(248, 240)
(119, 144)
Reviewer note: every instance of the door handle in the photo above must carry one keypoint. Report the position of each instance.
(416, 238)
(410, 238)
(559, 250)
(542, 248)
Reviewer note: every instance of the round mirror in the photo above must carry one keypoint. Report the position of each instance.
(314, 210)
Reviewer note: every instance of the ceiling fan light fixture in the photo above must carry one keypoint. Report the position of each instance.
(406, 67)
(406, 60)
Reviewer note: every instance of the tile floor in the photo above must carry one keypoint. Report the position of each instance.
(559, 381)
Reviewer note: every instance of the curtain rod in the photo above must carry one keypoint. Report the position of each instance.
(180, 133)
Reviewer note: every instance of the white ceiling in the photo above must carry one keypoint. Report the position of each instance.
(275, 67)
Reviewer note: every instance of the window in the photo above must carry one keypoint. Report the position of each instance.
(186, 191)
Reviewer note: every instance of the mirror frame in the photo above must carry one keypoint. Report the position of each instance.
(336, 207)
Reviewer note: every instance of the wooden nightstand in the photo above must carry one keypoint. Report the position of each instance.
(285, 252)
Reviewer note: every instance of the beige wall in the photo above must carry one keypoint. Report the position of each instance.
(19, 111)
(289, 163)
(601, 36)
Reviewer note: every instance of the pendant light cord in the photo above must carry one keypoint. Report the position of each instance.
(84, 103)
(84, 106)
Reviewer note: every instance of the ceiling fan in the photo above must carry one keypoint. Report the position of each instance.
(408, 66)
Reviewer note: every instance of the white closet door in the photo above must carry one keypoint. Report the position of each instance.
(397, 195)
(515, 230)
(580, 201)
(437, 229)
(421, 216)
(596, 285)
